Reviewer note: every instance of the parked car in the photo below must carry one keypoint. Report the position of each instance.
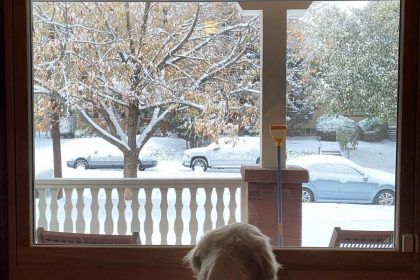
(109, 160)
(224, 153)
(337, 179)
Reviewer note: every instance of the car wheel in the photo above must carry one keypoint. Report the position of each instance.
(199, 164)
(307, 195)
(385, 197)
(140, 167)
(81, 163)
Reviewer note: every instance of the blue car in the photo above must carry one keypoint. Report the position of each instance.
(337, 179)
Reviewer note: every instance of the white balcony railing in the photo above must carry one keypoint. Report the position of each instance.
(164, 211)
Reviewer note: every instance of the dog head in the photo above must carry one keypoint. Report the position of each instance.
(235, 251)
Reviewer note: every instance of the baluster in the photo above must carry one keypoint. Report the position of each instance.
(179, 224)
(122, 223)
(148, 222)
(207, 210)
(42, 208)
(193, 220)
(80, 220)
(219, 208)
(68, 206)
(94, 209)
(163, 227)
(232, 205)
(54, 226)
(135, 206)
(108, 225)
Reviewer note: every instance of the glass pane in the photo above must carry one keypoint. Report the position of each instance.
(342, 72)
(144, 112)
(165, 93)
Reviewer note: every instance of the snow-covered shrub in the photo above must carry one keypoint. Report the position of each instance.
(347, 137)
(372, 130)
(83, 132)
(327, 125)
(79, 133)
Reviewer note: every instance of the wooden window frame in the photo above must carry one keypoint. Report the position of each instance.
(25, 261)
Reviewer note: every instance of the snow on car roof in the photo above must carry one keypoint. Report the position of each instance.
(236, 141)
(309, 160)
(241, 138)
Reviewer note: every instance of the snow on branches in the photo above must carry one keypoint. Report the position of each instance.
(124, 61)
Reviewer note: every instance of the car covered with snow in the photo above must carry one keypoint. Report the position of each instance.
(337, 179)
(106, 159)
(226, 152)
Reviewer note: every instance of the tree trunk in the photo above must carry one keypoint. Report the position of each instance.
(131, 157)
(55, 136)
(130, 164)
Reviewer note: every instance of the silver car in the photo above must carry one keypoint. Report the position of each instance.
(224, 153)
(109, 160)
(337, 179)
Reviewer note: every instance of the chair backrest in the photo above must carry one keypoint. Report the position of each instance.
(54, 237)
(362, 239)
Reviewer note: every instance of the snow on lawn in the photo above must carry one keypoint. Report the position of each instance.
(308, 145)
(380, 155)
(319, 220)
(376, 155)
(169, 151)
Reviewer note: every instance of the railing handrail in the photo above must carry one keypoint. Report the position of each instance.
(174, 182)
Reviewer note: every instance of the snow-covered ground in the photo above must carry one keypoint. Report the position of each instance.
(376, 155)
(318, 219)
(169, 152)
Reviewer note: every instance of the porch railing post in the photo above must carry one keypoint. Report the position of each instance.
(262, 196)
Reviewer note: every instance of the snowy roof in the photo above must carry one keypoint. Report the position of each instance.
(239, 140)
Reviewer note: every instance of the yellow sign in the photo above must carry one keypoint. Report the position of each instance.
(210, 26)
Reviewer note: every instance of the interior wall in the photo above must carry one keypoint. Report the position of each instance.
(294, 274)
(3, 176)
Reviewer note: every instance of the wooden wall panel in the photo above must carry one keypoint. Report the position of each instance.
(3, 157)
(37, 263)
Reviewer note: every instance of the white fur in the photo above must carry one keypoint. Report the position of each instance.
(236, 251)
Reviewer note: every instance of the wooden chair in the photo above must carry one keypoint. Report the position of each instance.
(361, 239)
(54, 237)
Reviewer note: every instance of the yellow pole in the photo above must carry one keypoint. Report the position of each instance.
(278, 133)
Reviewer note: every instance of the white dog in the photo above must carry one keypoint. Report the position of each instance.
(235, 251)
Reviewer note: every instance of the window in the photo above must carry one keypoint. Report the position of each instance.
(201, 82)
(395, 263)
(191, 89)
(335, 51)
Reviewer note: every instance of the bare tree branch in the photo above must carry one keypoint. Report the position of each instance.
(228, 29)
(148, 130)
(169, 102)
(181, 43)
(103, 133)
